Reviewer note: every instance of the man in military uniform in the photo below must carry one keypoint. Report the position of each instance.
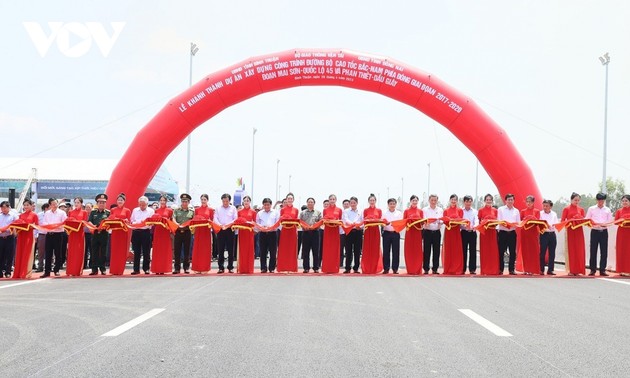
(99, 239)
(182, 236)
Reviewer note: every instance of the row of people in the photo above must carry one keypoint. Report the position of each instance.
(372, 243)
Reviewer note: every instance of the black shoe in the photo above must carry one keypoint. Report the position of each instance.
(102, 272)
(512, 273)
(603, 274)
(186, 271)
(8, 275)
(473, 273)
(56, 274)
(135, 272)
(346, 271)
(542, 272)
(221, 271)
(551, 274)
(425, 271)
(47, 274)
(230, 270)
(93, 273)
(146, 272)
(271, 270)
(263, 271)
(356, 270)
(306, 271)
(385, 271)
(436, 272)
(176, 272)
(315, 270)
(592, 273)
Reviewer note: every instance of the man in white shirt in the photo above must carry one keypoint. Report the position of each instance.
(354, 239)
(141, 237)
(469, 236)
(267, 238)
(507, 235)
(600, 215)
(7, 240)
(54, 237)
(548, 241)
(391, 238)
(431, 235)
(225, 215)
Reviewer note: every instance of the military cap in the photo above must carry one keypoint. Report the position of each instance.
(185, 197)
(101, 197)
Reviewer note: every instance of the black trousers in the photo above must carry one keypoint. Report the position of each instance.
(354, 243)
(141, 245)
(342, 248)
(469, 245)
(98, 251)
(310, 244)
(268, 246)
(507, 240)
(88, 249)
(391, 246)
(7, 253)
(182, 240)
(54, 241)
(431, 242)
(599, 238)
(225, 241)
(549, 242)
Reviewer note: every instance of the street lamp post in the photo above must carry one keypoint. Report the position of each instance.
(428, 180)
(193, 51)
(477, 185)
(277, 186)
(605, 59)
(289, 183)
(402, 193)
(253, 144)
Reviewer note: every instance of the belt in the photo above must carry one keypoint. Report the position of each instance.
(469, 230)
(599, 230)
(506, 230)
(432, 230)
(550, 232)
(54, 233)
(183, 230)
(390, 232)
(142, 229)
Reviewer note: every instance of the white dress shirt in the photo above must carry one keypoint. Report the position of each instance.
(471, 216)
(551, 217)
(508, 215)
(267, 218)
(428, 212)
(599, 215)
(58, 216)
(5, 220)
(225, 215)
(137, 216)
(391, 216)
(350, 216)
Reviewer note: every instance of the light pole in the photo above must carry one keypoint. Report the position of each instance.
(289, 184)
(429, 180)
(605, 59)
(277, 186)
(193, 51)
(253, 144)
(477, 185)
(402, 193)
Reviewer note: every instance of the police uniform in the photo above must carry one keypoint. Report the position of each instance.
(99, 239)
(182, 236)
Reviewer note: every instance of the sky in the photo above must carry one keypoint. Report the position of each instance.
(531, 65)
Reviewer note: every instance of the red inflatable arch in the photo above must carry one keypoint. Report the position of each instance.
(293, 68)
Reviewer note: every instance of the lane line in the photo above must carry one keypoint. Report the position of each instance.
(24, 283)
(615, 281)
(132, 323)
(485, 323)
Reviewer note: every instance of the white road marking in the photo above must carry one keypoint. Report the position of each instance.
(132, 323)
(616, 281)
(23, 283)
(485, 323)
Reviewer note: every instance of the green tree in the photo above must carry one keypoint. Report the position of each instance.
(615, 190)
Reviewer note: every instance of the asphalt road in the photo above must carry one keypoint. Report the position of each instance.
(315, 326)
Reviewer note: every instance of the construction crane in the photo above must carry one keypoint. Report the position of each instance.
(32, 178)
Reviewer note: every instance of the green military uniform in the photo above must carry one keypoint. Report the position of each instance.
(99, 239)
(182, 236)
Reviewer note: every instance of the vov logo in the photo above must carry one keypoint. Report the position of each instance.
(82, 35)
